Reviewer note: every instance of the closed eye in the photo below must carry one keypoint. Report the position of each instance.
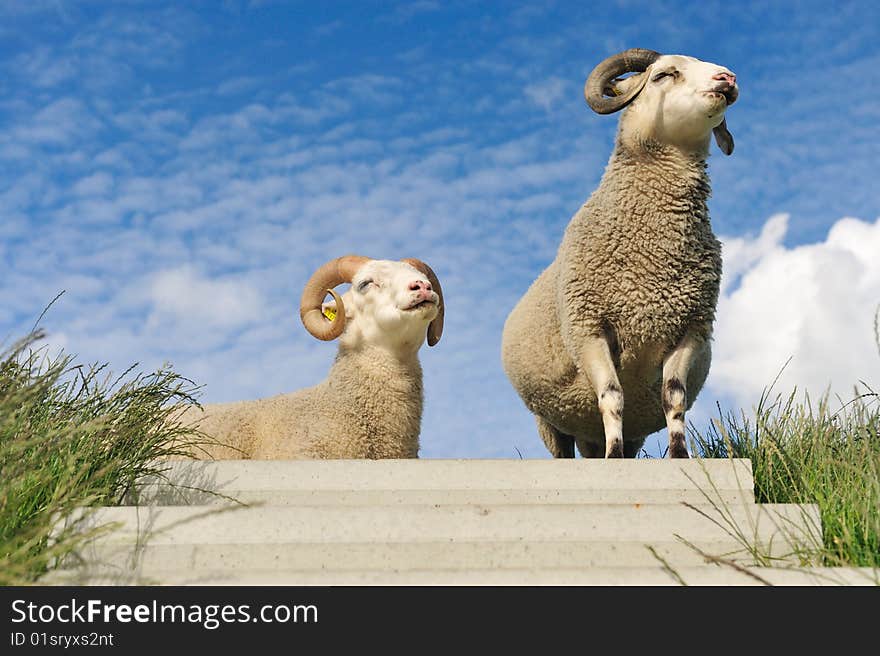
(660, 75)
(362, 286)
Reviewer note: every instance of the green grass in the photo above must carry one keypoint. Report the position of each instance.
(824, 453)
(73, 436)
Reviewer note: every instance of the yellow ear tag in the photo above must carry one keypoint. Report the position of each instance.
(330, 313)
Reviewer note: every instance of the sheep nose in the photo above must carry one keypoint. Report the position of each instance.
(730, 78)
(416, 285)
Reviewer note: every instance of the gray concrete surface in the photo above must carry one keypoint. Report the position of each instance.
(454, 522)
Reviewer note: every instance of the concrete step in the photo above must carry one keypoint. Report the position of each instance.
(785, 526)
(175, 497)
(387, 482)
(714, 575)
(115, 557)
(455, 522)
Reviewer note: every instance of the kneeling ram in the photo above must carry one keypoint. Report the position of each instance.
(370, 404)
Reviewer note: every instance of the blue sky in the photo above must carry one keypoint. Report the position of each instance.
(179, 169)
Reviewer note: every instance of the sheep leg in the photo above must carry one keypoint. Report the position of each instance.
(598, 366)
(559, 444)
(589, 449)
(631, 449)
(676, 366)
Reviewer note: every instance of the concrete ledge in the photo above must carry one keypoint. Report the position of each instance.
(452, 522)
(116, 558)
(560, 522)
(482, 481)
(169, 496)
(713, 575)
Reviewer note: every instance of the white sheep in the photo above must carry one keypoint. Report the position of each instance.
(626, 308)
(370, 404)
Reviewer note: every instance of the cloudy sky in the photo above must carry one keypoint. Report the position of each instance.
(179, 170)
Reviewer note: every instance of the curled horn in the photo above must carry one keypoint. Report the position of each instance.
(435, 328)
(633, 60)
(335, 272)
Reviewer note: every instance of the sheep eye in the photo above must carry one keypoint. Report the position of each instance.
(659, 76)
(362, 286)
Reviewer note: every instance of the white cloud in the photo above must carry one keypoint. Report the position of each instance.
(98, 184)
(185, 296)
(406, 11)
(328, 28)
(548, 93)
(45, 68)
(238, 85)
(813, 303)
(742, 253)
(59, 123)
(370, 89)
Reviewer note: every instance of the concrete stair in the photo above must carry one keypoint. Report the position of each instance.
(469, 522)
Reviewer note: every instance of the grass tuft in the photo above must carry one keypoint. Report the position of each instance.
(74, 436)
(806, 452)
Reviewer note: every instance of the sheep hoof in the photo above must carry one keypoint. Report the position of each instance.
(616, 450)
(566, 447)
(677, 446)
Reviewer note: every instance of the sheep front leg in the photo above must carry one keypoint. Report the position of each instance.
(599, 369)
(676, 367)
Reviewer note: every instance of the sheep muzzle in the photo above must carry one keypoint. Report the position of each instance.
(435, 328)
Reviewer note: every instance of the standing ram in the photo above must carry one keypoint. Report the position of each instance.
(370, 404)
(625, 311)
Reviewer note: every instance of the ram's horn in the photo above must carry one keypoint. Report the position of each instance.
(634, 60)
(335, 272)
(435, 328)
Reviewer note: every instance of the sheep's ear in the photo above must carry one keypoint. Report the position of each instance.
(328, 309)
(723, 137)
